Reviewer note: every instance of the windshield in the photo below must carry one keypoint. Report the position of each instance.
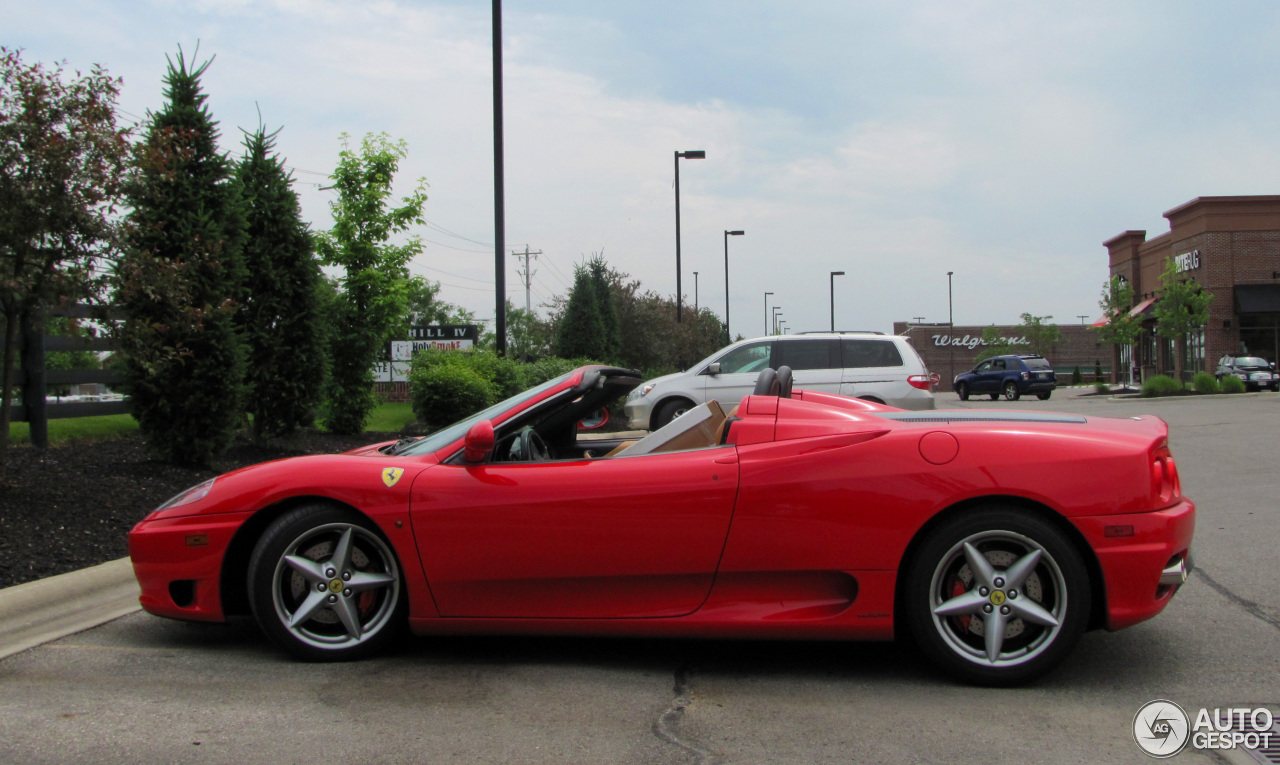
(445, 436)
(1252, 361)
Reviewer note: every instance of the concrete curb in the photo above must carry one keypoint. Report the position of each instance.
(47, 609)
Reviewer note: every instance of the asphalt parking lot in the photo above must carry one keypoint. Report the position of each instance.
(142, 689)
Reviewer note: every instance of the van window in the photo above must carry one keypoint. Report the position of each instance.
(860, 354)
(1037, 363)
(809, 354)
(748, 358)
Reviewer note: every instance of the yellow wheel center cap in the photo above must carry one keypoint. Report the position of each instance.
(335, 586)
(997, 598)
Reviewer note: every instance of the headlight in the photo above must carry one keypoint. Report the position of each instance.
(194, 494)
(640, 392)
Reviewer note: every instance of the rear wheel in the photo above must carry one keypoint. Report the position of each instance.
(997, 597)
(668, 412)
(325, 586)
(1044, 396)
(994, 396)
(1011, 391)
(962, 391)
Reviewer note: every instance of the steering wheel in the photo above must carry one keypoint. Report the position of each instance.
(766, 383)
(528, 446)
(784, 382)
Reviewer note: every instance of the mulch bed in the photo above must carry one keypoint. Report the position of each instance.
(68, 507)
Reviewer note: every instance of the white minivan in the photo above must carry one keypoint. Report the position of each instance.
(867, 365)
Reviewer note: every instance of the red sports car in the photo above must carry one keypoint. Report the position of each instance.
(994, 539)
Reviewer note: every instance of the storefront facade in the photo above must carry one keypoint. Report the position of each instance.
(1230, 246)
(952, 350)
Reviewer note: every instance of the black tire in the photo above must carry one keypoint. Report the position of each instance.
(1055, 585)
(364, 606)
(962, 391)
(668, 411)
(1044, 396)
(1011, 391)
(994, 396)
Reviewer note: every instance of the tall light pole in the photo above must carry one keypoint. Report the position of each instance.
(1082, 317)
(834, 274)
(766, 312)
(728, 338)
(777, 314)
(499, 211)
(686, 155)
(951, 334)
(695, 292)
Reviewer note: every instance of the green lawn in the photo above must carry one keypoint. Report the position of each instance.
(390, 417)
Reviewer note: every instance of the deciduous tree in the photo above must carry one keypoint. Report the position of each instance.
(374, 285)
(62, 161)
(1183, 307)
(1120, 328)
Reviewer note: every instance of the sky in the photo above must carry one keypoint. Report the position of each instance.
(894, 141)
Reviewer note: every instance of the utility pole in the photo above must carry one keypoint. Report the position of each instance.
(527, 275)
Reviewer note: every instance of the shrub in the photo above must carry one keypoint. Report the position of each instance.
(1102, 387)
(1076, 377)
(1204, 383)
(446, 393)
(1231, 384)
(1160, 385)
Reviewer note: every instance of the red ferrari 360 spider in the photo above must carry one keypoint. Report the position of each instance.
(994, 539)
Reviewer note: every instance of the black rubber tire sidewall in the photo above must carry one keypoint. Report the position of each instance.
(962, 391)
(1011, 396)
(666, 412)
(919, 619)
(261, 576)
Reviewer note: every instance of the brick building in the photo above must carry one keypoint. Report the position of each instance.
(950, 351)
(1231, 247)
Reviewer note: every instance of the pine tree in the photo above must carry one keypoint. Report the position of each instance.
(581, 331)
(610, 331)
(181, 280)
(285, 374)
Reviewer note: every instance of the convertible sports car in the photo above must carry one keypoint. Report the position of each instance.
(994, 539)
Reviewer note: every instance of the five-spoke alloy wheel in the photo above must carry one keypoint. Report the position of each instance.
(997, 597)
(325, 586)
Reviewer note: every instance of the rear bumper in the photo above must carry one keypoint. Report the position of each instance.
(1137, 553)
(178, 563)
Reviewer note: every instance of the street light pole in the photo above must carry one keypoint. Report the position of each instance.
(766, 312)
(1082, 317)
(951, 333)
(695, 293)
(777, 314)
(499, 193)
(834, 274)
(728, 338)
(685, 155)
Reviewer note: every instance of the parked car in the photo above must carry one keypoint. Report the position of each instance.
(1255, 372)
(1010, 376)
(970, 531)
(884, 369)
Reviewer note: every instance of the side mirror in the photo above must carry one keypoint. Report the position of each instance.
(596, 419)
(713, 368)
(479, 443)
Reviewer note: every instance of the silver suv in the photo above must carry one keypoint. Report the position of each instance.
(868, 365)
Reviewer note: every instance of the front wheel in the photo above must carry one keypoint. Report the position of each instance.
(996, 597)
(1011, 391)
(1044, 396)
(962, 391)
(668, 412)
(325, 586)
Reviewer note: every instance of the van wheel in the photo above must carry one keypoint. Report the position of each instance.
(668, 412)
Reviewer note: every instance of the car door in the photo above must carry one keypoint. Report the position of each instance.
(873, 367)
(605, 538)
(982, 378)
(815, 363)
(739, 369)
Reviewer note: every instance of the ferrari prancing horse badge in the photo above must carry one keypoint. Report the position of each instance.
(391, 475)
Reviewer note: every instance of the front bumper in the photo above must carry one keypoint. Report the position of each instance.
(178, 563)
(638, 412)
(1136, 553)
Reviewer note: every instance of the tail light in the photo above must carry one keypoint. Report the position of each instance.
(1026, 375)
(1165, 484)
(923, 382)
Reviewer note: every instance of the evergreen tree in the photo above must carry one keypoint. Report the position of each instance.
(285, 374)
(373, 299)
(610, 331)
(181, 278)
(581, 331)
